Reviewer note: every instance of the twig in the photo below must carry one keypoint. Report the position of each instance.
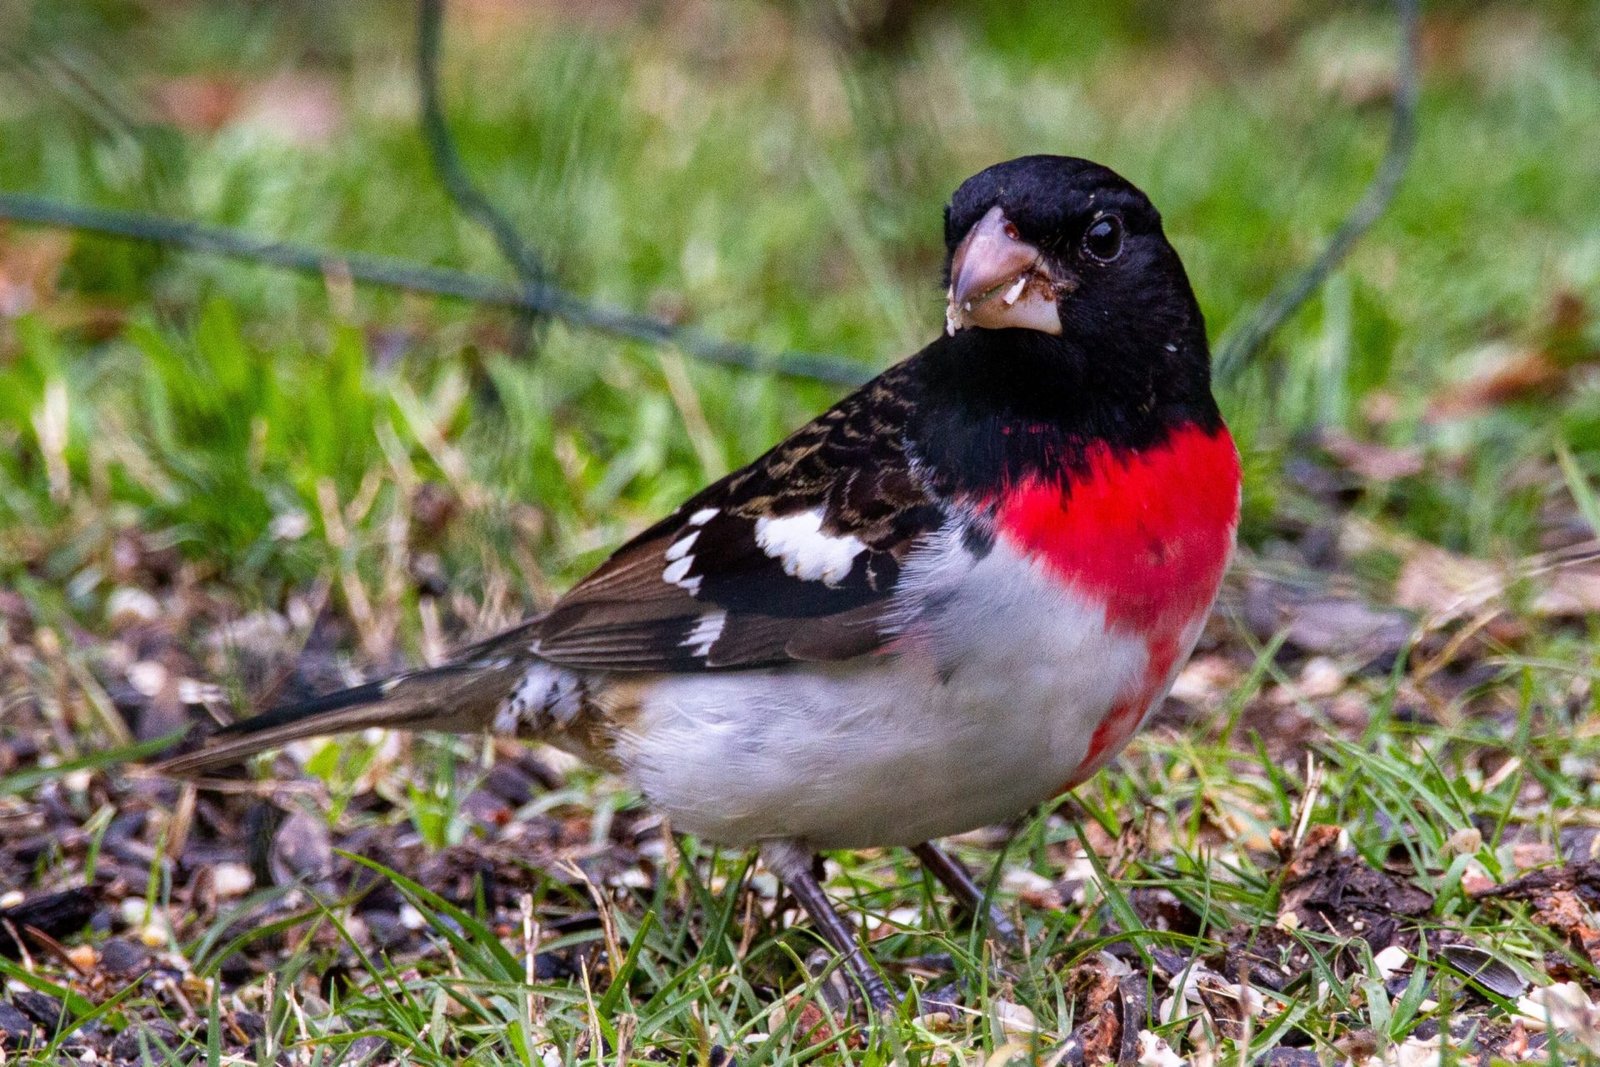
(1243, 343)
(415, 277)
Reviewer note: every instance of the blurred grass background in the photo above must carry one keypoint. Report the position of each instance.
(190, 447)
(770, 172)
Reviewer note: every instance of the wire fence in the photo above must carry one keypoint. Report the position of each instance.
(534, 297)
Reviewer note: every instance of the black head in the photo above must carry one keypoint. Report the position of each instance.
(1071, 250)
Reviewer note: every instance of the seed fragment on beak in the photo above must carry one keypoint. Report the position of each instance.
(1015, 291)
(998, 280)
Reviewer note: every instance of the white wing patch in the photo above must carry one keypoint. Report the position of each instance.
(679, 561)
(676, 573)
(797, 541)
(680, 548)
(705, 633)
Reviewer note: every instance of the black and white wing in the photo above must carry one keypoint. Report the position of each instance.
(794, 557)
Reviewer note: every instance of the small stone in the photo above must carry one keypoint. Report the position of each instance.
(127, 605)
(42, 1009)
(134, 911)
(149, 925)
(1417, 1051)
(386, 929)
(231, 880)
(1390, 961)
(148, 677)
(1015, 1020)
(1321, 677)
(365, 1050)
(145, 1043)
(289, 526)
(155, 933)
(1464, 842)
(251, 1025)
(1021, 880)
(1530, 854)
(16, 1029)
(511, 784)
(83, 957)
(301, 851)
(122, 958)
(632, 878)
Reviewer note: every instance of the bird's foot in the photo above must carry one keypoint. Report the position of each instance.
(956, 878)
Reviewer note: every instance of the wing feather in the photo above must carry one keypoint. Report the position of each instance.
(794, 557)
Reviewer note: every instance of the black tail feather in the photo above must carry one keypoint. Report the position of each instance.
(459, 698)
(354, 697)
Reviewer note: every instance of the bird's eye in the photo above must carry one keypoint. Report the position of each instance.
(1103, 239)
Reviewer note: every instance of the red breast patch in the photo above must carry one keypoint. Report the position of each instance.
(1148, 535)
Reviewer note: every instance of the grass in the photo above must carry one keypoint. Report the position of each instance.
(240, 445)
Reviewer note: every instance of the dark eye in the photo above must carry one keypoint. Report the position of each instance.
(1103, 239)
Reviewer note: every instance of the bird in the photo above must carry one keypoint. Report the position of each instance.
(952, 596)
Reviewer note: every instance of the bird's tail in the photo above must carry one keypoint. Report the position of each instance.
(460, 697)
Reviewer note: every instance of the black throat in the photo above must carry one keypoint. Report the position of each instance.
(998, 407)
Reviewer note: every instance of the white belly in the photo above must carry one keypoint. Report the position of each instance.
(986, 708)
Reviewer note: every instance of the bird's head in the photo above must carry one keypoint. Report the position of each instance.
(1067, 248)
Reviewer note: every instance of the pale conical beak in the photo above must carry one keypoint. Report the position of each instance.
(998, 280)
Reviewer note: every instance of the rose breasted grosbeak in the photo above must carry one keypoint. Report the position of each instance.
(951, 596)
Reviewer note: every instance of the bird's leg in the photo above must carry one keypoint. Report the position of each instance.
(968, 893)
(792, 864)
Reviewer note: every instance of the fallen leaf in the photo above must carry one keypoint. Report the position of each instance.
(200, 103)
(1095, 991)
(1322, 622)
(30, 263)
(1444, 585)
(1564, 1007)
(1370, 461)
(1503, 375)
(295, 107)
(1575, 594)
(1331, 888)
